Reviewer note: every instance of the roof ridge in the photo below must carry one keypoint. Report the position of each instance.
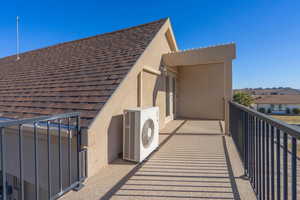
(86, 38)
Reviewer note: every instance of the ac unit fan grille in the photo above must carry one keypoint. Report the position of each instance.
(148, 133)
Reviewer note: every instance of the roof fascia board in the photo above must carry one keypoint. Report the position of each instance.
(216, 54)
(171, 37)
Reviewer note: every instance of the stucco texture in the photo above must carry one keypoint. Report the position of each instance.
(201, 91)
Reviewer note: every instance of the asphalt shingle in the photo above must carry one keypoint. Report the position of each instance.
(76, 76)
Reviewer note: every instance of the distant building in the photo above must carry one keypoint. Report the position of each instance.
(269, 91)
(277, 104)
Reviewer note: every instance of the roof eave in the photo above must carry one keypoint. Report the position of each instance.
(213, 54)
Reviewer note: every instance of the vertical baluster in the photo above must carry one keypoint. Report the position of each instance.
(59, 156)
(263, 171)
(259, 160)
(78, 146)
(78, 129)
(248, 142)
(245, 144)
(236, 116)
(268, 160)
(36, 168)
(278, 168)
(272, 165)
(285, 166)
(49, 159)
(21, 162)
(3, 163)
(253, 151)
(294, 169)
(237, 132)
(240, 137)
(69, 152)
(250, 147)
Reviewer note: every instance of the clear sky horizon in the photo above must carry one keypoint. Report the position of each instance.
(267, 33)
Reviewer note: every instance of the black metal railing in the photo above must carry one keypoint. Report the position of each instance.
(41, 158)
(268, 149)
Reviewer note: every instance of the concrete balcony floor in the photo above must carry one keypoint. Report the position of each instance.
(195, 161)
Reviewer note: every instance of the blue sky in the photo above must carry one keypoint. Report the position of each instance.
(267, 33)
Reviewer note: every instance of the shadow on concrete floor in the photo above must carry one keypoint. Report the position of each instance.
(186, 166)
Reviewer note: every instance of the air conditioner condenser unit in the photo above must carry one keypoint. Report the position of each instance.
(140, 133)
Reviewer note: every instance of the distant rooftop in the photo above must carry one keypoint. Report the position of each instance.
(268, 91)
(277, 99)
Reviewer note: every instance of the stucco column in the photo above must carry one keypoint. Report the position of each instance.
(227, 91)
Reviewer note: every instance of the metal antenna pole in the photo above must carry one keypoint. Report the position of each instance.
(18, 46)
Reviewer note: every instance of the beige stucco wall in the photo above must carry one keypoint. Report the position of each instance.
(148, 86)
(153, 87)
(104, 139)
(201, 91)
(228, 90)
(204, 81)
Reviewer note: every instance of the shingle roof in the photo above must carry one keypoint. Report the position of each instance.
(277, 99)
(76, 76)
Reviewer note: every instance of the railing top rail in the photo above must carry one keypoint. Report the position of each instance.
(287, 128)
(37, 119)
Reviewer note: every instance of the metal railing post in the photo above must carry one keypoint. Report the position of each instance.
(78, 129)
(49, 159)
(278, 168)
(36, 165)
(272, 165)
(263, 169)
(294, 169)
(267, 136)
(285, 166)
(59, 157)
(21, 162)
(3, 167)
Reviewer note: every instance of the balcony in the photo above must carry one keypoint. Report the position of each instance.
(195, 160)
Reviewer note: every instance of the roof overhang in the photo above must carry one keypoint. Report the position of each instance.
(214, 54)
